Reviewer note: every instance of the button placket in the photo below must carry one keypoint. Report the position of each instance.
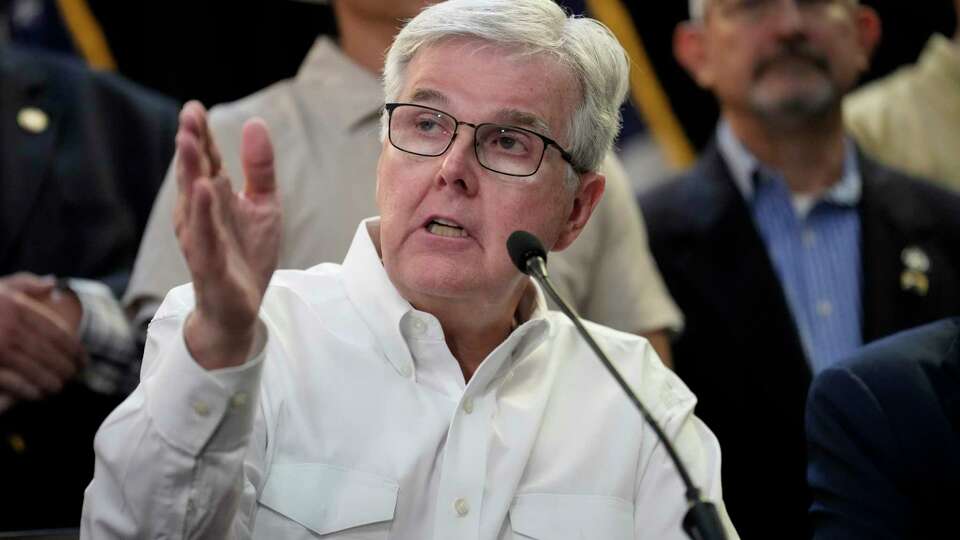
(202, 408)
(239, 400)
(461, 506)
(418, 326)
(464, 472)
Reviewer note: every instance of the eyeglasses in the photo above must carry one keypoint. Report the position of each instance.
(509, 150)
(763, 9)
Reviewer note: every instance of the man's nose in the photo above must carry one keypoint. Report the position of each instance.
(787, 19)
(460, 166)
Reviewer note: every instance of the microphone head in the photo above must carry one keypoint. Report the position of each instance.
(523, 246)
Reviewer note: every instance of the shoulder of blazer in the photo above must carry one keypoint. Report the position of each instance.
(694, 201)
(908, 203)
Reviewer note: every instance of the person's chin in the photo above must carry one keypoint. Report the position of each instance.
(439, 274)
(798, 101)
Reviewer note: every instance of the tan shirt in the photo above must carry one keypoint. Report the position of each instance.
(325, 128)
(911, 119)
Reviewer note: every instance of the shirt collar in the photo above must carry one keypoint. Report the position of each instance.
(382, 307)
(359, 91)
(941, 58)
(745, 168)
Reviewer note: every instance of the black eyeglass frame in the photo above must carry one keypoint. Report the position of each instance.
(547, 141)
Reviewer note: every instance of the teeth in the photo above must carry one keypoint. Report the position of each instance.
(445, 222)
(445, 230)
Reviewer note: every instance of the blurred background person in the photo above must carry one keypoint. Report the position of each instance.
(785, 246)
(911, 118)
(884, 438)
(83, 154)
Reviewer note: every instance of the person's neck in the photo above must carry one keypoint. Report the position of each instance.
(365, 41)
(470, 332)
(809, 155)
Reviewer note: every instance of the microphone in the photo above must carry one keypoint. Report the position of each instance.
(701, 522)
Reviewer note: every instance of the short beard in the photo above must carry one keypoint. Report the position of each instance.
(797, 110)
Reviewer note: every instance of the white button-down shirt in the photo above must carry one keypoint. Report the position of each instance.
(355, 422)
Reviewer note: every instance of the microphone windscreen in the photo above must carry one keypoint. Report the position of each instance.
(523, 246)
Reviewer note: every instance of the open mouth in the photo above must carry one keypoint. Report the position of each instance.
(443, 227)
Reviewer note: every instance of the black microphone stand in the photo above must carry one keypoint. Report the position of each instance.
(702, 521)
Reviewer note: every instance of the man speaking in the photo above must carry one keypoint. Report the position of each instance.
(420, 389)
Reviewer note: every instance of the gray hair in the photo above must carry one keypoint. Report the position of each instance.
(585, 46)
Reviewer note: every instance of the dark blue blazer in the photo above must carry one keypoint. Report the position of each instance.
(74, 200)
(884, 436)
(740, 351)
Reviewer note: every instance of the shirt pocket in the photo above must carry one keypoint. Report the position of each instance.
(330, 500)
(545, 516)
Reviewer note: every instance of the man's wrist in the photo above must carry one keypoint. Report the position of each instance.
(215, 348)
(66, 303)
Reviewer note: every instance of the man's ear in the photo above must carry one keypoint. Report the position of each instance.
(690, 50)
(586, 199)
(869, 29)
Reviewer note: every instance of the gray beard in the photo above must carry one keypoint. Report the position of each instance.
(797, 110)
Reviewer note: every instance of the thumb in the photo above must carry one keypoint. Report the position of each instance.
(256, 153)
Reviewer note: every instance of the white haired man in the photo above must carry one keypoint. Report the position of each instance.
(420, 389)
(326, 124)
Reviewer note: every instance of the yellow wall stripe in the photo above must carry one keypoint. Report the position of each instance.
(646, 90)
(87, 35)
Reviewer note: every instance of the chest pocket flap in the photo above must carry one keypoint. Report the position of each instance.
(327, 499)
(547, 516)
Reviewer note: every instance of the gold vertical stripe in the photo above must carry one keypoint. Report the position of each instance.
(87, 35)
(646, 90)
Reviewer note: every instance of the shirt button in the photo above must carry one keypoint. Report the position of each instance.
(461, 506)
(404, 371)
(201, 408)
(419, 327)
(824, 308)
(239, 399)
(809, 238)
(468, 405)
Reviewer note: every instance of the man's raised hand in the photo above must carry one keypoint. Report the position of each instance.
(231, 241)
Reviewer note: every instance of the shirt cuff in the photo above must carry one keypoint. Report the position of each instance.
(107, 337)
(196, 409)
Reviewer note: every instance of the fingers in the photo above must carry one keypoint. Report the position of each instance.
(30, 284)
(44, 337)
(48, 327)
(35, 373)
(193, 120)
(37, 354)
(205, 250)
(14, 384)
(191, 158)
(197, 153)
(211, 150)
(256, 153)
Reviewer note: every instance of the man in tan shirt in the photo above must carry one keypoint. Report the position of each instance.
(911, 118)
